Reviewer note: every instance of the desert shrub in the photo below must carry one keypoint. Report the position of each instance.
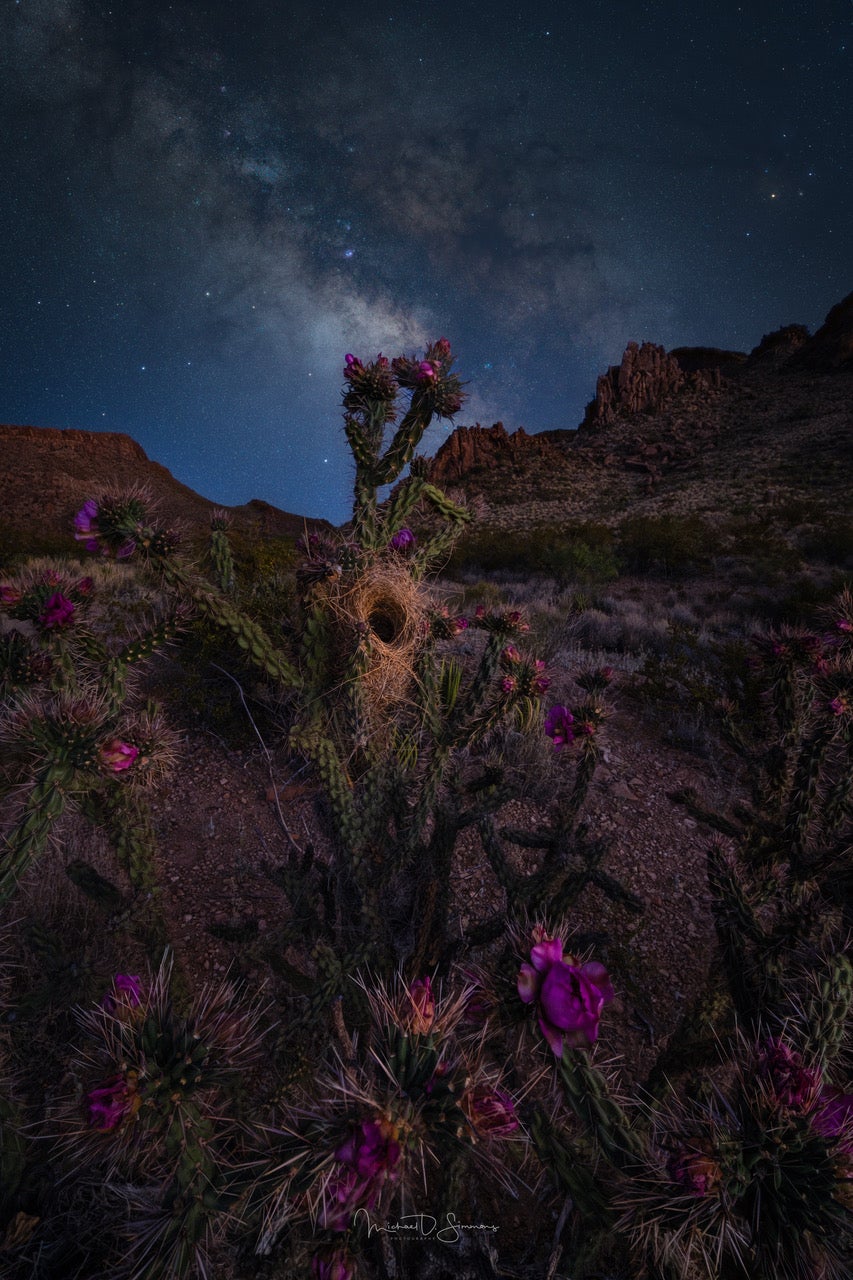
(668, 545)
(831, 543)
(569, 553)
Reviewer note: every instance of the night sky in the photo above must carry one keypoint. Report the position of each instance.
(204, 206)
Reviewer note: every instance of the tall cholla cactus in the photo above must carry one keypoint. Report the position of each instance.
(370, 404)
(409, 1110)
(754, 1180)
(153, 1117)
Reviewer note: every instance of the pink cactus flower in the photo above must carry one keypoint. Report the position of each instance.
(696, 1171)
(420, 1012)
(558, 725)
(116, 755)
(9, 594)
(843, 624)
(540, 684)
(426, 371)
(369, 1157)
(833, 1117)
(403, 539)
(86, 521)
(838, 705)
(459, 624)
(127, 986)
(509, 684)
(108, 1106)
(791, 1083)
(334, 1264)
(58, 611)
(480, 611)
(491, 1112)
(510, 656)
(570, 997)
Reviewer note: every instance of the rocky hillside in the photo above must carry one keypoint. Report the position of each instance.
(48, 473)
(691, 430)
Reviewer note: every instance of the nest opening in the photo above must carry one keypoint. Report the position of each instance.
(387, 620)
(384, 600)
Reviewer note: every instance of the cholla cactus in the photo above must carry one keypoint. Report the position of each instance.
(753, 1180)
(68, 746)
(152, 1115)
(398, 1120)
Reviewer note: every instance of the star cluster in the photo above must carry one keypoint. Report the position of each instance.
(205, 205)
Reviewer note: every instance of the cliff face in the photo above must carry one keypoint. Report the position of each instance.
(49, 473)
(472, 449)
(832, 346)
(646, 378)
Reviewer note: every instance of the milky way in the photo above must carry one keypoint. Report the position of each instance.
(205, 206)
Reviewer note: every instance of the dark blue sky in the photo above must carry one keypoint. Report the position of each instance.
(204, 206)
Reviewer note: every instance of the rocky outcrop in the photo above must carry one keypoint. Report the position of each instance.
(647, 377)
(831, 348)
(778, 346)
(48, 473)
(472, 449)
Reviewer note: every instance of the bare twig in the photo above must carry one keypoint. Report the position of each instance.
(267, 756)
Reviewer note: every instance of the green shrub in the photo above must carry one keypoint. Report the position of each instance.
(668, 545)
(569, 553)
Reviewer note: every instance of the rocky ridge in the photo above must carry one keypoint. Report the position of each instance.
(692, 430)
(48, 473)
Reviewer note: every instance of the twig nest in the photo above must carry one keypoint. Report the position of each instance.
(385, 607)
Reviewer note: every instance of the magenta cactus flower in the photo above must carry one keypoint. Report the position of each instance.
(696, 1171)
(335, 1264)
(833, 1117)
(403, 539)
(844, 624)
(569, 996)
(86, 521)
(791, 1083)
(459, 624)
(109, 1105)
(126, 985)
(540, 684)
(126, 550)
(838, 705)
(558, 725)
(369, 1157)
(509, 684)
(491, 1112)
(58, 611)
(9, 594)
(117, 756)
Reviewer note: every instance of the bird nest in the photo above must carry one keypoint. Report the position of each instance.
(383, 606)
